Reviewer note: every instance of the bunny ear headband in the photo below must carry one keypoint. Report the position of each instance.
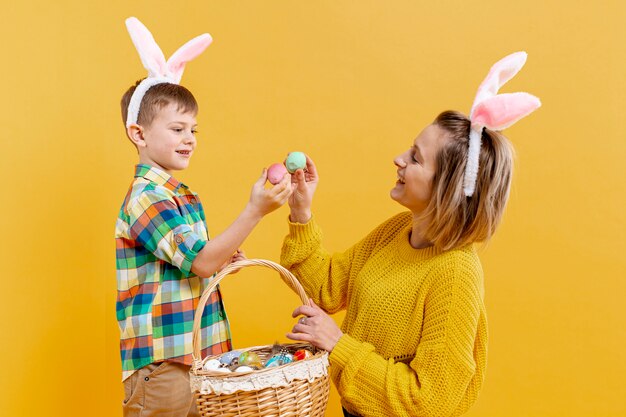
(495, 111)
(152, 58)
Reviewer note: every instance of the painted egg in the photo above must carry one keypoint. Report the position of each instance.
(227, 358)
(224, 370)
(211, 365)
(275, 173)
(295, 161)
(302, 354)
(250, 359)
(274, 361)
(244, 368)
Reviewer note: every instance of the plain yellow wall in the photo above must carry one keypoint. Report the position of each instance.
(350, 83)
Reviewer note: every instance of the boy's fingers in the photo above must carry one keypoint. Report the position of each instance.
(282, 185)
(282, 197)
(287, 190)
(262, 178)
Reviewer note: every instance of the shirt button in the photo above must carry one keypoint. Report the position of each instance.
(192, 200)
(178, 239)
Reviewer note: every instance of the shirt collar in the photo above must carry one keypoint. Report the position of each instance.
(158, 176)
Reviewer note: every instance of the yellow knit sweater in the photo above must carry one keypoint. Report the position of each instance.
(415, 331)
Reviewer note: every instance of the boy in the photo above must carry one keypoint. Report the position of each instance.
(164, 255)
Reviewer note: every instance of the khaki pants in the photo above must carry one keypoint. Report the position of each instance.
(159, 389)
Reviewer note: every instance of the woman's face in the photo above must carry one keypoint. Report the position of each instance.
(416, 169)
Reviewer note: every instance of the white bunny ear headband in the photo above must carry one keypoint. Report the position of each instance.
(495, 111)
(152, 58)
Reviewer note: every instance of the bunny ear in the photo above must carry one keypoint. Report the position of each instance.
(151, 55)
(503, 110)
(186, 53)
(499, 74)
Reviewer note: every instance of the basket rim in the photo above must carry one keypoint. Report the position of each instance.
(229, 269)
(279, 377)
(198, 370)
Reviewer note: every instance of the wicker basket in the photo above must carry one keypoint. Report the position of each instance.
(295, 389)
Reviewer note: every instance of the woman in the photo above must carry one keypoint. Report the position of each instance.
(414, 338)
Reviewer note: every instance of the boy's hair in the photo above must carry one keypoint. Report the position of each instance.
(156, 98)
(456, 219)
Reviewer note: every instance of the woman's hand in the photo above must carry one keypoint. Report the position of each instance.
(304, 182)
(315, 327)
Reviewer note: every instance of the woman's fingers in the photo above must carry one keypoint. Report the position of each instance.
(311, 170)
(303, 337)
(305, 310)
(315, 327)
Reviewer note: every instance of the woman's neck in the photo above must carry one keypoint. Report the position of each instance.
(417, 238)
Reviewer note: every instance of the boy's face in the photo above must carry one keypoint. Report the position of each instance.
(169, 141)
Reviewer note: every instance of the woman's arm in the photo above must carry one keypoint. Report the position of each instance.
(446, 373)
(325, 277)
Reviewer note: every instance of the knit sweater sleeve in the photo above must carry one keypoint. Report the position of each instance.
(436, 381)
(325, 277)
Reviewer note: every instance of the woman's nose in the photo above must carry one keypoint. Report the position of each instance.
(399, 161)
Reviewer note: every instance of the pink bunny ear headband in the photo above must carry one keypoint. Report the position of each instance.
(152, 58)
(495, 111)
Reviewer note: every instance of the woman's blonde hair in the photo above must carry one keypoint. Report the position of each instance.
(456, 220)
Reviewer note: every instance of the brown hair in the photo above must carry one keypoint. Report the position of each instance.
(457, 220)
(157, 97)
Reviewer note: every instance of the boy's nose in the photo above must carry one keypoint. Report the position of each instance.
(190, 139)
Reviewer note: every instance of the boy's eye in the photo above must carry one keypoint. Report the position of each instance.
(415, 160)
(194, 131)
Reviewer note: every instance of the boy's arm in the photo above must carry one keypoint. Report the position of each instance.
(221, 248)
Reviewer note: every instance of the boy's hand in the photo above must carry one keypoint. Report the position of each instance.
(304, 183)
(266, 200)
(239, 255)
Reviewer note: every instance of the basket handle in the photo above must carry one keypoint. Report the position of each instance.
(234, 267)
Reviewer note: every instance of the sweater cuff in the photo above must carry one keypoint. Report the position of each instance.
(309, 231)
(344, 350)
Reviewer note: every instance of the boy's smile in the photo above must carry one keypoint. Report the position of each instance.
(169, 141)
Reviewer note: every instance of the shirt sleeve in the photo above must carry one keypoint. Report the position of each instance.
(436, 381)
(158, 225)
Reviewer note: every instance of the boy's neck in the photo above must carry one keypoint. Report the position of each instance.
(146, 161)
(159, 169)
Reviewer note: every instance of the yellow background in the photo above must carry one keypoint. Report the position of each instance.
(350, 83)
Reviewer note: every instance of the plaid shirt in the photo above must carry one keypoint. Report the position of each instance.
(159, 232)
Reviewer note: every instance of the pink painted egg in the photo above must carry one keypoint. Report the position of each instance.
(275, 173)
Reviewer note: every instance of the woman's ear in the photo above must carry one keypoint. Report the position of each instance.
(135, 134)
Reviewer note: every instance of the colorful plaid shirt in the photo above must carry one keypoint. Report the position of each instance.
(159, 232)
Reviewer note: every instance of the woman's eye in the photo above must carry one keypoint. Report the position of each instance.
(194, 131)
(415, 160)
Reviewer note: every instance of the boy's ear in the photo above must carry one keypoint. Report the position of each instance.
(135, 134)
